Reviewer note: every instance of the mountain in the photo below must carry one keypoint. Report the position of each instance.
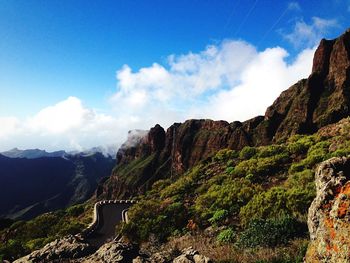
(31, 186)
(239, 191)
(31, 153)
(323, 98)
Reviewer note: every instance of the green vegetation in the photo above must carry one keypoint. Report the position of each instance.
(258, 196)
(226, 236)
(271, 232)
(31, 235)
(247, 200)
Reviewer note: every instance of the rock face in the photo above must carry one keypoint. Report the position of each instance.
(323, 98)
(57, 251)
(329, 213)
(190, 255)
(113, 252)
(71, 249)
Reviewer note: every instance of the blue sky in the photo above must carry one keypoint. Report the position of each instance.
(114, 60)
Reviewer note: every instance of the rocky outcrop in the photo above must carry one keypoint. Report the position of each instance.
(71, 249)
(189, 255)
(59, 250)
(113, 252)
(323, 98)
(329, 213)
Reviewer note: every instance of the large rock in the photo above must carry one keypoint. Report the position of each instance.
(329, 213)
(189, 255)
(58, 250)
(74, 250)
(114, 252)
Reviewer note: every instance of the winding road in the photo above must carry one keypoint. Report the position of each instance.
(107, 214)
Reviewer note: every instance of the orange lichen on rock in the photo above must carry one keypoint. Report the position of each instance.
(343, 209)
(328, 217)
(346, 189)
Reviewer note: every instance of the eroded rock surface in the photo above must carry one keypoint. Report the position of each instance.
(74, 250)
(59, 250)
(329, 213)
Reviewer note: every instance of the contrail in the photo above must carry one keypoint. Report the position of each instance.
(228, 22)
(273, 26)
(246, 17)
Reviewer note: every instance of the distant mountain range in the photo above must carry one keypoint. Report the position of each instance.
(38, 153)
(32, 153)
(35, 181)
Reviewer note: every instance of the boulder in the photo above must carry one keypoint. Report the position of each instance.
(69, 247)
(329, 213)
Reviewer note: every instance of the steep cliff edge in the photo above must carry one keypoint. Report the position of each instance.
(308, 105)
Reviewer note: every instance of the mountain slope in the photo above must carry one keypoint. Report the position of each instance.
(321, 99)
(33, 186)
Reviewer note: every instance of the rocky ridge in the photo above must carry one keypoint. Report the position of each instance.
(74, 250)
(323, 98)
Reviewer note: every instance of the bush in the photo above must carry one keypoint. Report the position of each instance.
(225, 155)
(229, 170)
(75, 210)
(247, 153)
(219, 217)
(269, 204)
(271, 150)
(161, 218)
(316, 154)
(261, 167)
(271, 232)
(299, 144)
(226, 236)
(230, 195)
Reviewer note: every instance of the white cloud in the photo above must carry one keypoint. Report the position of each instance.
(9, 126)
(60, 118)
(308, 35)
(65, 125)
(231, 81)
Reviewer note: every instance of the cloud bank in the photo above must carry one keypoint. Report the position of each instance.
(304, 34)
(231, 81)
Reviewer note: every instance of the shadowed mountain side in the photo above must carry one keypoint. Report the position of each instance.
(308, 105)
(34, 186)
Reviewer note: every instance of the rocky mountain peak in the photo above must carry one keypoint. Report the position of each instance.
(321, 99)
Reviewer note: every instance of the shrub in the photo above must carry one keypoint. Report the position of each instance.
(230, 195)
(184, 184)
(271, 150)
(247, 153)
(302, 178)
(261, 167)
(271, 232)
(224, 155)
(317, 153)
(161, 218)
(300, 199)
(226, 236)
(264, 205)
(219, 216)
(75, 210)
(229, 170)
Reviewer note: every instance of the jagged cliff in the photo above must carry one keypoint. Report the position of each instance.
(308, 105)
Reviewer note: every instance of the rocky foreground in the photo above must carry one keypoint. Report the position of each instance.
(75, 250)
(329, 213)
